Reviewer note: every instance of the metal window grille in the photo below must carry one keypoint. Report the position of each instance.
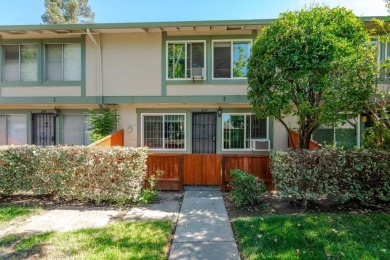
(164, 131)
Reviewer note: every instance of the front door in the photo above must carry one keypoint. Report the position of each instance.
(43, 129)
(204, 133)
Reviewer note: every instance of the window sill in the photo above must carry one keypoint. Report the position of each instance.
(41, 84)
(205, 81)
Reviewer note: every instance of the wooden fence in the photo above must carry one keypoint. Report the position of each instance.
(295, 139)
(257, 165)
(115, 139)
(205, 169)
(171, 165)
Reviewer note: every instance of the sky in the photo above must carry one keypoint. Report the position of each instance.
(23, 12)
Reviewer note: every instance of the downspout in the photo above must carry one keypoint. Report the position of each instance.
(99, 67)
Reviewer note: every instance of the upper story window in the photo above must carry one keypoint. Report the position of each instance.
(20, 63)
(63, 62)
(185, 60)
(244, 132)
(230, 58)
(163, 131)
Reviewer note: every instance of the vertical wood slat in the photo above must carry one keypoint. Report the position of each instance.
(202, 169)
(171, 165)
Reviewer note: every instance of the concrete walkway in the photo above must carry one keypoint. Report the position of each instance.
(203, 230)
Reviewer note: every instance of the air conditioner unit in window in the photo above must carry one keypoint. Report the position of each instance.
(197, 73)
(260, 144)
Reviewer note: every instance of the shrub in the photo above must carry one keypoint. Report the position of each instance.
(150, 194)
(94, 173)
(377, 137)
(246, 188)
(102, 122)
(346, 174)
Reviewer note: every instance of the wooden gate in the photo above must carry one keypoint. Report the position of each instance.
(202, 169)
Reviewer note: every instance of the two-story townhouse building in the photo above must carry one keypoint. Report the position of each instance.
(179, 87)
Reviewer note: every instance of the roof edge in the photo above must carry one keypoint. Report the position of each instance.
(150, 24)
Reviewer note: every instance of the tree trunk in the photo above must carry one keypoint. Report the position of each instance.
(304, 138)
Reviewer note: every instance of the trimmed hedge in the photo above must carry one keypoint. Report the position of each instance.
(346, 174)
(95, 173)
(247, 189)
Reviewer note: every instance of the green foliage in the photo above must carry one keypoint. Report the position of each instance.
(102, 122)
(150, 195)
(377, 137)
(314, 64)
(247, 189)
(67, 12)
(176, 61)
(241, 64)
(95, 173)
(123, 240)
(346, 174)
(378, 108)
(314, 236)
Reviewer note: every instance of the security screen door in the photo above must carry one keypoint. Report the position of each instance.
(204, 133)
(43, 129)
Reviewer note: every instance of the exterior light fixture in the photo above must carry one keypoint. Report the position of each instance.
(56, 112)
(219, 111)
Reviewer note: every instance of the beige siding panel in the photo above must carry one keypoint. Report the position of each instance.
(91, 71)
(280, 133)
(128, 118)
(47, 91)
(280, 136)
(202, 90)
(132, 64)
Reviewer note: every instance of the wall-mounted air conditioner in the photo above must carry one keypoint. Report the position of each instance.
(197, 73)
(260, 144)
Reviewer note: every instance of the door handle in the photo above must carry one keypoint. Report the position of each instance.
(213, 139)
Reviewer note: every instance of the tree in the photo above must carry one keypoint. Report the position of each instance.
(315, 64)
(102, 122)
(67, 12)
(378, 136)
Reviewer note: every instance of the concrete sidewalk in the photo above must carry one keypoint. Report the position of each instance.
(70, 218)
(203, 230)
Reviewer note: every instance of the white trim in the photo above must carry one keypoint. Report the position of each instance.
(245, 137)
(185, 49)
(162, 115)
(231, 41)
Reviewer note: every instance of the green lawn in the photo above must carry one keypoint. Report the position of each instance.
(314, 236)
(123, 240)
(10, 213)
